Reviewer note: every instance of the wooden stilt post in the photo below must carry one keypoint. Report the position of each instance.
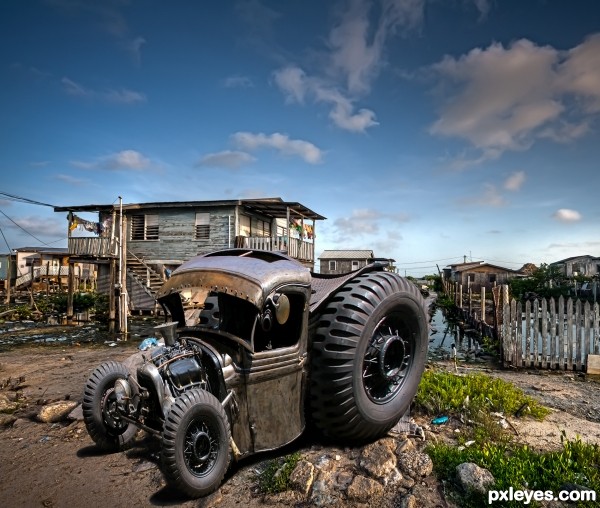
(70, 289)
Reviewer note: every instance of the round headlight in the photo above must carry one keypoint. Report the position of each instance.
(282, 309)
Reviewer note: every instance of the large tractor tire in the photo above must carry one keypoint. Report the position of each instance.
(105, 427)
(368, 354)
(195, 449)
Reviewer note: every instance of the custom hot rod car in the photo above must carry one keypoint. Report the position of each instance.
(254, 345)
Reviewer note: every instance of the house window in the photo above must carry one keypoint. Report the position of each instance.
(144, 227)
(244, 225)
(491, 278)
(262, 228)
(332, 266)
(355, 265)
(202, 231)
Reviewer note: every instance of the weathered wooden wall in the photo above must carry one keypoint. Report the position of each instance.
(177, 241)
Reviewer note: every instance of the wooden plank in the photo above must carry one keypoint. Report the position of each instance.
(515, 335)
(593, 365)
(527, 333)
(536, 332)
(569, 334)
(552, 335)
(519, 335)
(544, 352)
(505, 334)
(587, 332)
(578, 330)
(560, 314)
(596, 318)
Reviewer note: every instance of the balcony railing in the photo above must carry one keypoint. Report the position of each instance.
(297, 248)
(93, 247)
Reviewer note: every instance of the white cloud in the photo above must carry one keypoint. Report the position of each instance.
(122, 95)
(70, 179)
(226, 159)
(365, 221)
(296, 86)
(353, 60)
(501, 99)
(490, 196)
(515, 181)
(567, 215)
(238, 82)
(579, 74)
(357, 47)
(38, 226)
(280, 142)
(135, 48)
(123, 160)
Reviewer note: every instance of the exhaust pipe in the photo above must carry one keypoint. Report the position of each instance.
(167, 332)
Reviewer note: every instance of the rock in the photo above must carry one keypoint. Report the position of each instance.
(415, 464)
(409, 501)
(363, 489)
(56, 411)
(302, 477)
(7, 420)
(76, 414)
(7, 405)
(474, 478)
(323, 493)
(377, 459)
(405, 446)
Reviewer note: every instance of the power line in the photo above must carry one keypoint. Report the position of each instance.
(24, 230)
(12, 197)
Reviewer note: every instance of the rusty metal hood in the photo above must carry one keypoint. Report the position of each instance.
(248, 274)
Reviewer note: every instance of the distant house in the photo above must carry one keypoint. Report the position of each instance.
(47, 265)
(344, 261)
(587, 266)
(158, 237)
(8, 270)
(479, 274)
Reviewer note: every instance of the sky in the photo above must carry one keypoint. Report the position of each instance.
(430, 131)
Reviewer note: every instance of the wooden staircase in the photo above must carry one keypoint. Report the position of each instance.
(146, 276)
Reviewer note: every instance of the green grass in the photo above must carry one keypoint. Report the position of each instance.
(275, 477)
(474, 399)
(473, 394)
(520, 467)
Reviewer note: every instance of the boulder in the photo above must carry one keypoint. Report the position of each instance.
(56, 411)
(474, 478)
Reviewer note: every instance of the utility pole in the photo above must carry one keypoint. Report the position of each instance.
(122, 273)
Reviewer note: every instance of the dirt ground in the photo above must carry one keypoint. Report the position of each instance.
(57, 465)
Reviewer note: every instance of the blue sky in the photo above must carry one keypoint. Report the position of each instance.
(424, 130)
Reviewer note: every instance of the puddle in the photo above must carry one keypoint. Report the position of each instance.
(446, 337)
(15, 333)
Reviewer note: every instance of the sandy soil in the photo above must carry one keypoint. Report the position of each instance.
(57, 465)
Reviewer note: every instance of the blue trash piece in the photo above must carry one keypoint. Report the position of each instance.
(148, 343)
(440, 420)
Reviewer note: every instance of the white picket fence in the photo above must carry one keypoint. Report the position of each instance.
(550, 334)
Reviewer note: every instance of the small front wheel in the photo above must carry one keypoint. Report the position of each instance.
(102, 420)
(195, 450)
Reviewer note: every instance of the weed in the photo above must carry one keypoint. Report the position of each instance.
(275, 477)
(473, 395)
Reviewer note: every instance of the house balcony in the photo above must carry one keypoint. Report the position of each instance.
(93, 247)
(297, 248)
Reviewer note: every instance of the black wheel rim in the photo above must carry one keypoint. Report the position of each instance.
(201, 447)
(110, 415)
(388, 359)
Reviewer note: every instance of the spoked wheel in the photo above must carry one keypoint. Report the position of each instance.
(369, 352)
(105, 426)
(387, 361)
(195, 444)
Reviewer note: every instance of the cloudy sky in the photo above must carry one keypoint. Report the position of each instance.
(426, 130)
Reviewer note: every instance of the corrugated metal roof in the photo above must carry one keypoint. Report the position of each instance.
(274, 207)
(346, 254)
